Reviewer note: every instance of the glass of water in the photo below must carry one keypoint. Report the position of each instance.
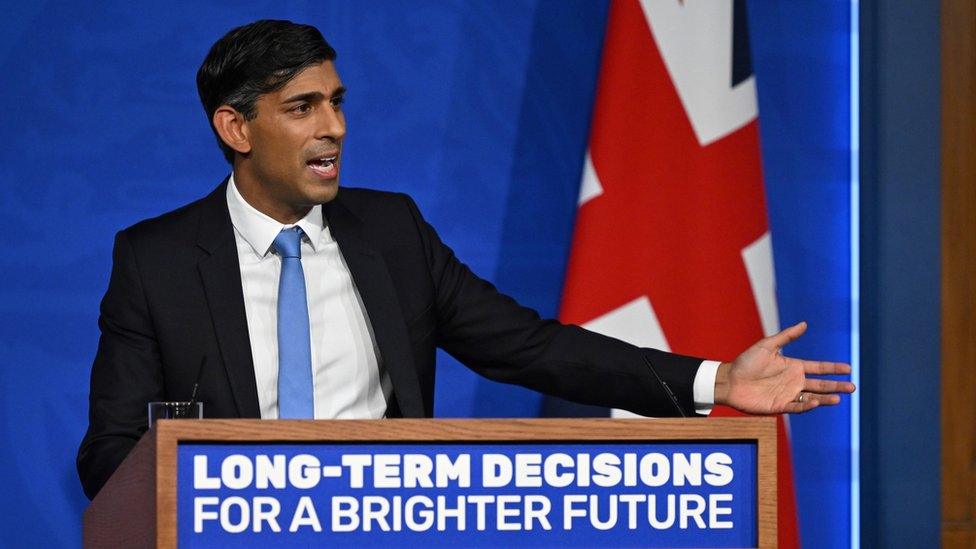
(175, 410)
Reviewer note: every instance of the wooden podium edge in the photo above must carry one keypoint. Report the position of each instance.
(122, 515)
(168, 434)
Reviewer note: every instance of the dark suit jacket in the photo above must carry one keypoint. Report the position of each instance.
(175, 296)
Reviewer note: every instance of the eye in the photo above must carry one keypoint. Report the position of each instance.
(337, 101)
(302, 108)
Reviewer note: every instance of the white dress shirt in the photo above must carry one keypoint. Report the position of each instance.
(347, 372)
(348, 377)
(703, 390)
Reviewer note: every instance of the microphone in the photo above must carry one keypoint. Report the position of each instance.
(196, 385)
(667, 388)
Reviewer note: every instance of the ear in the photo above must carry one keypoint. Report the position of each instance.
(232, 128)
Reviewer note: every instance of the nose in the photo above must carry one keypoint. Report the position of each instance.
(331, 124)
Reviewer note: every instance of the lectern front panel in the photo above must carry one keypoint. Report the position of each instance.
(468, 494)
(463, 483)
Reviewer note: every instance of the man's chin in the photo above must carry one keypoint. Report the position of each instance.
(323, 190)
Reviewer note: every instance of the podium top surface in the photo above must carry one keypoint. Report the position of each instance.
(762, 430)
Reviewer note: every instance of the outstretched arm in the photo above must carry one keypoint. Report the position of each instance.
(763, 381)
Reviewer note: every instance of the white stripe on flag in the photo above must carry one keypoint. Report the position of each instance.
(590, 187)
(758, 258)
(695, 40)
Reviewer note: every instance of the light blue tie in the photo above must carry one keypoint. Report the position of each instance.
(295, 400)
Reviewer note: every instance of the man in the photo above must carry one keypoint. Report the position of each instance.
(280, 295)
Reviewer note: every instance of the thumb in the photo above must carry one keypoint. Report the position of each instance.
(788, 335)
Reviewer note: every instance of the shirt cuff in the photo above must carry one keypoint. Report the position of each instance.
(703, 391)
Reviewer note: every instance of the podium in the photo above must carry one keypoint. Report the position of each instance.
(416, 482)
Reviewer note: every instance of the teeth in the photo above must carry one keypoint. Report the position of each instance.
(323, 163)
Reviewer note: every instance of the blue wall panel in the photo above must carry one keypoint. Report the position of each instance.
(801, 55)
(900, 307)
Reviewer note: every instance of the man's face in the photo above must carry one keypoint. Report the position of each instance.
(296, 141)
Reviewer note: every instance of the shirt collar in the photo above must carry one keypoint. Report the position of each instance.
(260, 230)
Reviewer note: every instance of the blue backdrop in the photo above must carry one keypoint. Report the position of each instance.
(479, 110)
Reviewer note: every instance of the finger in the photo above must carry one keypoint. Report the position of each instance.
(826, 386)
(800, 407)
(819, 367)
(787, 335)
(811, 401)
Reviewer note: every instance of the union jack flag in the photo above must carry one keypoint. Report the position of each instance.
(671, 247)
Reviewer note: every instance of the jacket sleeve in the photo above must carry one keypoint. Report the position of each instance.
(504, 341)
(126, 373)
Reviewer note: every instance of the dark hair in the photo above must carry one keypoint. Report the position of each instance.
(255, 59)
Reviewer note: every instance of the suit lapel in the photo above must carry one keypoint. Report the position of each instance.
(372, 279)
(220, 272)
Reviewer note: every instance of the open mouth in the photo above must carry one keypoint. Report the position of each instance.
(326, 167)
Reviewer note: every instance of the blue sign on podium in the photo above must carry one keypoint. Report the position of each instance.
(468, 494)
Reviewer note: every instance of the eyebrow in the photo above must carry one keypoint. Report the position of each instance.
(313, 96)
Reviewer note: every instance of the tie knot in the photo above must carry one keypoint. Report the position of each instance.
(288, 243)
